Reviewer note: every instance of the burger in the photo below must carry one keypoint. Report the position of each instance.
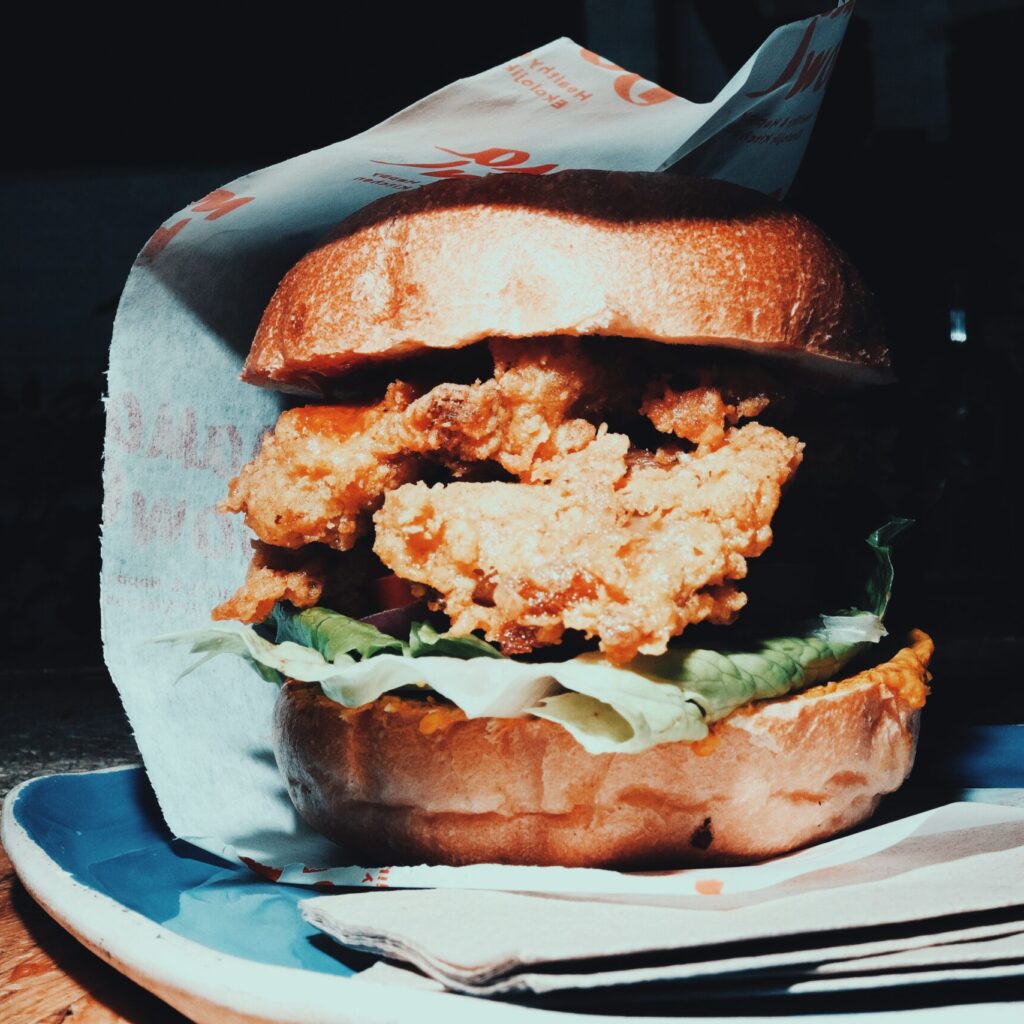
(501, 542)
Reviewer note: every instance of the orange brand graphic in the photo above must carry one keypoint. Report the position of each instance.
(507, 161)
(160, 238)
(219, 202)
(628, 85)
(378, 878)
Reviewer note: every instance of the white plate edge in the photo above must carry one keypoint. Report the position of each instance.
(178, 969)
(256, 990)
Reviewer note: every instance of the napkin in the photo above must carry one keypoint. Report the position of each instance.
(948, 897)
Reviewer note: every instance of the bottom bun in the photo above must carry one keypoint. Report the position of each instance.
(408, 781)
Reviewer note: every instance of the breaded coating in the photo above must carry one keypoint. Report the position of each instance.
(521, 417)
(310, 575)
(325, 468)
(624, 544)
(273, 576)
(631, 554)
(699, 414)
(321, 471)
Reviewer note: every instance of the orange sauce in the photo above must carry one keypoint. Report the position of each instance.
(338, 421)
(440, 717)
(706, 746)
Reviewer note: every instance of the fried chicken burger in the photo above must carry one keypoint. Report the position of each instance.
(553, 419)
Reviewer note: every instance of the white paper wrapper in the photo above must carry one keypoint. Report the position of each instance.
(180, 424)
(808, 928)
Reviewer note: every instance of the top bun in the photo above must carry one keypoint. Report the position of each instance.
(634, 255)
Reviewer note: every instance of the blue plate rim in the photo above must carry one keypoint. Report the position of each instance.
(178, 969)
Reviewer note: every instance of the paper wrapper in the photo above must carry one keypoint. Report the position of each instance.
(943, 898)
(179, 423)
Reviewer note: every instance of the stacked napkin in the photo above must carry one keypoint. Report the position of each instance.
(942, 905)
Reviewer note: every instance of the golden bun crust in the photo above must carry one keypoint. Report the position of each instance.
(407, 781)
(626, 254)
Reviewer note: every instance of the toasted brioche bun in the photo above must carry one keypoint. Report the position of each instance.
(633, 255)
(400, 781)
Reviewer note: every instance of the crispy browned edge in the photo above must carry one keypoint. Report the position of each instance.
(406, 781)
(580, 252)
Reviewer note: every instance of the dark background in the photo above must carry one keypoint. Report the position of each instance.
(912, 168)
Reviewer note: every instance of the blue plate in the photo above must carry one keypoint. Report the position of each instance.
(210, 937)
(105, 830)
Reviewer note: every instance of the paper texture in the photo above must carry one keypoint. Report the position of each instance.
(752, 977)
(888, 912)
(180, 424)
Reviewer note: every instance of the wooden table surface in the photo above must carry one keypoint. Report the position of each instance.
(46, 976)
(70, 721)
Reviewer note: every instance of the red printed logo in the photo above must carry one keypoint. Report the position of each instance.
(157, 522)
(271, 874)
(807, 68)
(628, 85)
(217, 204)
(158, 242)
(506, 161)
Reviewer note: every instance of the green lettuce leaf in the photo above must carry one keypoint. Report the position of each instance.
(724, 680)
(654, 699)
(332, 634)
(879, 585)
(272, 661)
(309, 644)
(426, 642)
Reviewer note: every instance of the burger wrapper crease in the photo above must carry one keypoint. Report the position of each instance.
(180, 425)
